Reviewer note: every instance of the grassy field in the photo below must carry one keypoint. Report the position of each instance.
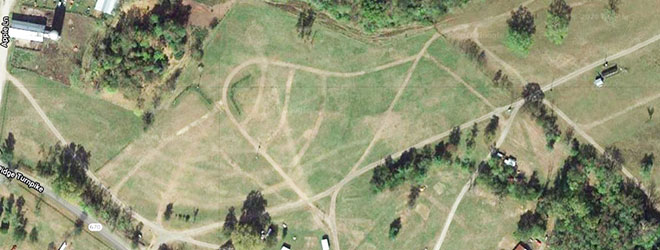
(103, 128)
(484, 221)
(635, 135)
(52, 225)
(585, 103)
(526, 141)
(18, 117)
(590, 38)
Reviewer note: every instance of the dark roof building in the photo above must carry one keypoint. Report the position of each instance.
(28, 22)
(522, 246)
(610, 71)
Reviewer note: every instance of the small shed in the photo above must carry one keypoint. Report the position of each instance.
(325, 243)
(286, 246)
(63, 246)
(612, 70)
(598, 81)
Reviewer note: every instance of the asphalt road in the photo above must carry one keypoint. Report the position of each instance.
(51, 198)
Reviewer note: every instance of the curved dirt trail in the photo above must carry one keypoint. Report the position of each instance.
(260, 93)
(315, 130)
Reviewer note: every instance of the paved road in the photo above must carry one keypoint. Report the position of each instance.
(110, 238)
(6, 7)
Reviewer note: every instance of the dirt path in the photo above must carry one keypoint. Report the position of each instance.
(19, 85)
(589, 139)
(260, 93)
(468, 185)
(316, 212)
(333, 201)
(459, 79)
(507, 67)
(622, 112)
(315, 130)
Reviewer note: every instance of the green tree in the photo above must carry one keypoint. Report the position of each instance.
(395, 227)
(647, 162)
(521, 29)
(243, 238)
(455, 136)
(557, 20)
(230, 222)
(34, 235)
(530, 225)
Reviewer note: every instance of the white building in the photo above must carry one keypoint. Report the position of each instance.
(105, 6)
(510, 161)
(325, 243)
(34, 28)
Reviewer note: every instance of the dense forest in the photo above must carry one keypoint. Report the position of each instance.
(373, 15)
(593, 206)
(139, 49)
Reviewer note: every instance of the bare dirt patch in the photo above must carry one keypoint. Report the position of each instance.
(202, 15)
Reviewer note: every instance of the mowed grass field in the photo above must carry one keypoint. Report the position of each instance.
(590, 37)
(586, 104)
(19, 118)
(526, 141)
(101, 127)
(635, 134)
(52, 226)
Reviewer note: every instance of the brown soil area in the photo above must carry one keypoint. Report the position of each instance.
(202, 15)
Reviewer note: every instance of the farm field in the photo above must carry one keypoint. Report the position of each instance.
(585, 43)
(103, 128)
(635, 134)
(308, 122)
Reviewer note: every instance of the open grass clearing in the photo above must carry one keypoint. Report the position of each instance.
(103, 128)
(19, 118)
(590, 38)
(526, 141)
(271, 33)
(363, 217)
(635, 135)
(450, 56)
(484, 221)
(585, 103)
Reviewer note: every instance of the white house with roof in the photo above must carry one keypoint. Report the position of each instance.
(105, 6)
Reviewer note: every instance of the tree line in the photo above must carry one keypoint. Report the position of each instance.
(17, 217)
(533, 95)
(374, 15)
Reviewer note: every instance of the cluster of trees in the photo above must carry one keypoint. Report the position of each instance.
(501, 79)
(519, 36)
(138, 49)
(492, 126)
(472, 49)
(253, 230)
(99, 199)
(557, 20)
(533, 95)
(69, 164)
(305, 22)
(413, 165)
(531, 225)
(506, 180)
(7, 149)
(16, 217)
(373, 15)
(594, 207)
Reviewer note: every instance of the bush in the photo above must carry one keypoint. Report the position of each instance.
(518, 43)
